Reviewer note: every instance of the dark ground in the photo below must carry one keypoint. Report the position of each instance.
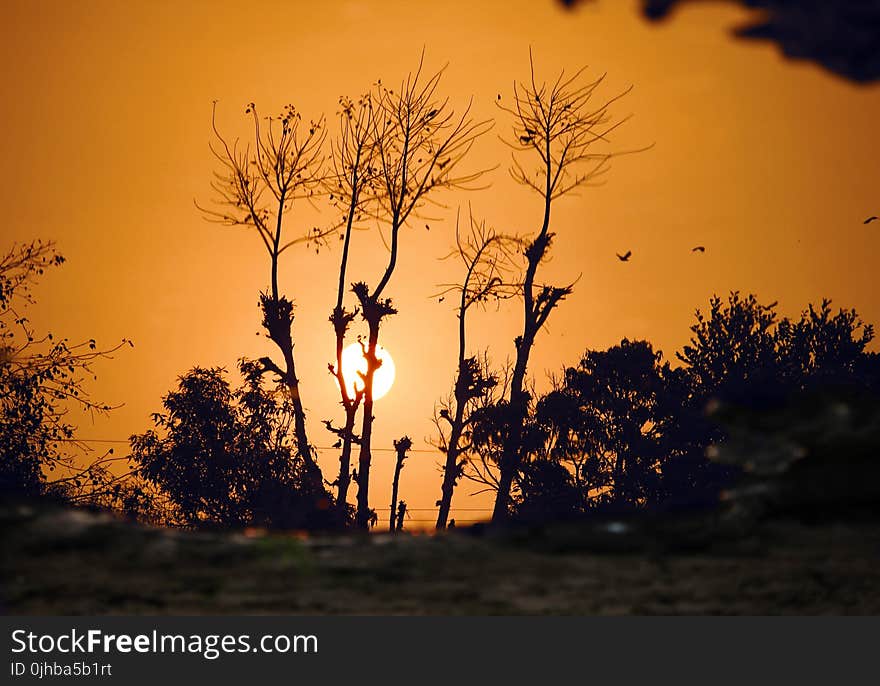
(57, 561)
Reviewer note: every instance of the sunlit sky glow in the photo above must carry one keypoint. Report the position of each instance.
(771, 164)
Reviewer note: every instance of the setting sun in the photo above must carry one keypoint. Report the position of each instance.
(626, 253)
(353, 363)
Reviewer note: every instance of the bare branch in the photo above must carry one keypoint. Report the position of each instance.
(420, 146)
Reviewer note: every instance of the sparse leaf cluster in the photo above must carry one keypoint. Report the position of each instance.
(566, 126)
(42, 380)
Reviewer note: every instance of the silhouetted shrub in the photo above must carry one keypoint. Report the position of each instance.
(623, 430)
(42, 379)
(227, 456)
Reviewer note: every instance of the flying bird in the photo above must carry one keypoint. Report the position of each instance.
(871, 219)
(625, 257)
(698, 248)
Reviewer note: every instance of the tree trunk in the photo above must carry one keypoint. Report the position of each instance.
(299, 420)
(278, 322)
(401, 513)
(345, 462)
(512, 453)
(365, 456)
(402, 446)
(450, 469)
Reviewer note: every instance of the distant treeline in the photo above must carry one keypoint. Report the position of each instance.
(622, 429)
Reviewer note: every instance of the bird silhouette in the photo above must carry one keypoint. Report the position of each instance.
(698, 248)
(625, 257)
(871, 219)
(525, 139)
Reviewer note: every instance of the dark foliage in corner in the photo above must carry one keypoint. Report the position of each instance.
(625, 431)
(843, 36)
(43, 380)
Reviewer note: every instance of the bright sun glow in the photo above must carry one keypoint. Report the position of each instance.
(353, 362)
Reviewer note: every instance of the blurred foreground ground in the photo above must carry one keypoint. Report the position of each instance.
(57, 561)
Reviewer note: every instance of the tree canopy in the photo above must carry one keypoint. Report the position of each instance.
(227, 456)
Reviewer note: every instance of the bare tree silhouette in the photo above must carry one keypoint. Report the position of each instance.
(489, 425)
(257, 187)
(352, 188)
(562, 125)
(489, 261)
(401, 446)
(419, 145)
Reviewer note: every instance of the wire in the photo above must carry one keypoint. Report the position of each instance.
(316, 447)
(432, 509)
(457, 521)
(90, 440)
(378, 509)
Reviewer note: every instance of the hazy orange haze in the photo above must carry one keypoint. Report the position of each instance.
(772, 165)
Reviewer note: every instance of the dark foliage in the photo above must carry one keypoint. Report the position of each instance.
(741, 351)
(547, 491)
(624, 430)
(42, 379)
(842, 35)
(227, 456)
(621, 406)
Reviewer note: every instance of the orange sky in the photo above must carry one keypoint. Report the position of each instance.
(771, 164)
